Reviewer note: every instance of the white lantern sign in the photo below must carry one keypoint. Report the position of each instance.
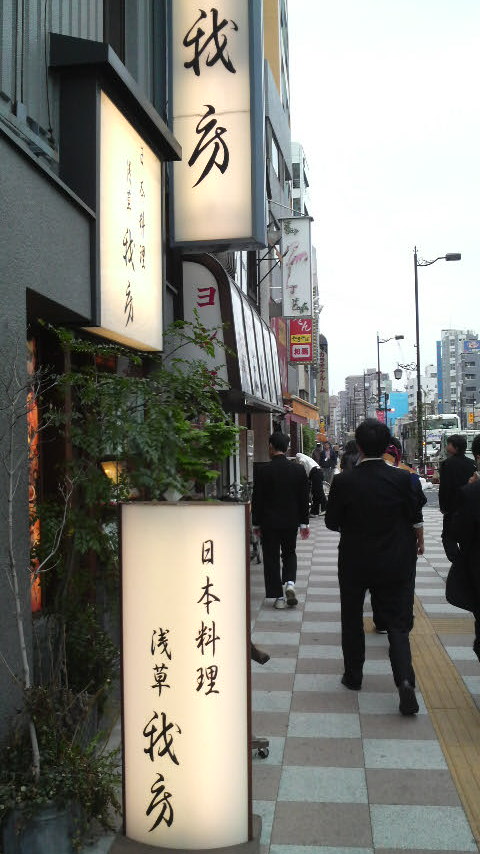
(217, 104)
(185, 674)
(130, 234)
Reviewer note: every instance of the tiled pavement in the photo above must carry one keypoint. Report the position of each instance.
(346, 772)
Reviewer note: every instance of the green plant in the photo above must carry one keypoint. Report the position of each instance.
(308, 439)
(76, 772)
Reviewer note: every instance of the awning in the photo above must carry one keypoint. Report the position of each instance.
(250, 364)
(304, 409)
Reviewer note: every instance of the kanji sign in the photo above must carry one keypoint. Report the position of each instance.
(185, 674)
(216, 90)
(301, 340)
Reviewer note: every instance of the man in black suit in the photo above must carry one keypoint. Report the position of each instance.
(466, 529)
(378, 513)
(279, 507)
(455, 472)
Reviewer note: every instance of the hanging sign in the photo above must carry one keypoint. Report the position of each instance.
(185, 674)
(296, 267)
(130, 234)
(301, 335)
(218, 118)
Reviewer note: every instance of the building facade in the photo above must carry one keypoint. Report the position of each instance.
(64, 67)
(452, 347)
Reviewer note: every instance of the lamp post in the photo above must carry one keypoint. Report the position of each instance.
(383, 341)
(450, 256)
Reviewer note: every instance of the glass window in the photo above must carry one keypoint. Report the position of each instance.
(275, 157)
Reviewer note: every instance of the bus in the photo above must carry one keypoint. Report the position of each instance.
(434, 427)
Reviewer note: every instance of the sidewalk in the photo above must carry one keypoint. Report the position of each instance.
(346, 772)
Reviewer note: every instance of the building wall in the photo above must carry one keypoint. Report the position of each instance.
(45, 260)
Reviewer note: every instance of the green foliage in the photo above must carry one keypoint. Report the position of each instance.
(75, 771)
(308, 439)
(162, 423)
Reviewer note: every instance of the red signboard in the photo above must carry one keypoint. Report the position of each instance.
(301, 340)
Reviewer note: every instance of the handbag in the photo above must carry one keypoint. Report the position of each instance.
(459, 590)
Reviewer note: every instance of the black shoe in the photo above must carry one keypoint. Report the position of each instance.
(258, 655)
(476, 647)
(408, 701)
(352, 684)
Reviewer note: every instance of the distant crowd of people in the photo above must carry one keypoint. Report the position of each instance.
(375, 502)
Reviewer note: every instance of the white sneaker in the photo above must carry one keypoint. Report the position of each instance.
(290, 594)
(279, 603)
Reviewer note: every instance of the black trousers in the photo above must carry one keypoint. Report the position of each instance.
(275, 542)
(318, 496)
(448, 538)
(394, 608)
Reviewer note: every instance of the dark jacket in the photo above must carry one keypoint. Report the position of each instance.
(330, 463)
(466, 528)
(374, 506)
(455, 472)
(280, 495)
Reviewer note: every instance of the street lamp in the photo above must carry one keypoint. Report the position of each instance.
(450, 256)
(383, 341)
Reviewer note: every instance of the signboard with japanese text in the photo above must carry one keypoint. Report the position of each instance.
(296, 266)
(185, 674)
(218, 118)
(130, 234)
(301, 335)
(200, 294)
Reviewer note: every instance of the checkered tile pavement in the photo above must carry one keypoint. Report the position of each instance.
(346, 772)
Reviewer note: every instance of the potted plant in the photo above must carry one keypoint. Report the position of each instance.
(78, 781)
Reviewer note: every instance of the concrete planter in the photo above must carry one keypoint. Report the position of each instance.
(44, 833)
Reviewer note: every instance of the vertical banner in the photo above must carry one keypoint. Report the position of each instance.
(185, 674)
(301, 344)
(296, 253)
(217, 107)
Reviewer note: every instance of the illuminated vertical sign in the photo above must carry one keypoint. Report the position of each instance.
(185, 674)
(217, 105)
(130, 234)
(301, 340)
(296, 251)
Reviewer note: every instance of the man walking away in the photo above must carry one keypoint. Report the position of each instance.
(279, 507)
(455, 472)
(315, 476)
(377, 512)
(466, 529)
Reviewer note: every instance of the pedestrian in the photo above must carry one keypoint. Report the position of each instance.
(279, 508)
(455, 472)
(466, 529)
(375, 508)
(328, 461)
(350, 455)
(315, 476)
(317, 452)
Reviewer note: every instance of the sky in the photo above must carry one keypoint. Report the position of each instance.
(385, 100)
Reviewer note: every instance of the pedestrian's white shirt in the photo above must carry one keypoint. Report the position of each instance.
(307, 462)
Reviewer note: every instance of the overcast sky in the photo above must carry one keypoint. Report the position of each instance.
(385, 99)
